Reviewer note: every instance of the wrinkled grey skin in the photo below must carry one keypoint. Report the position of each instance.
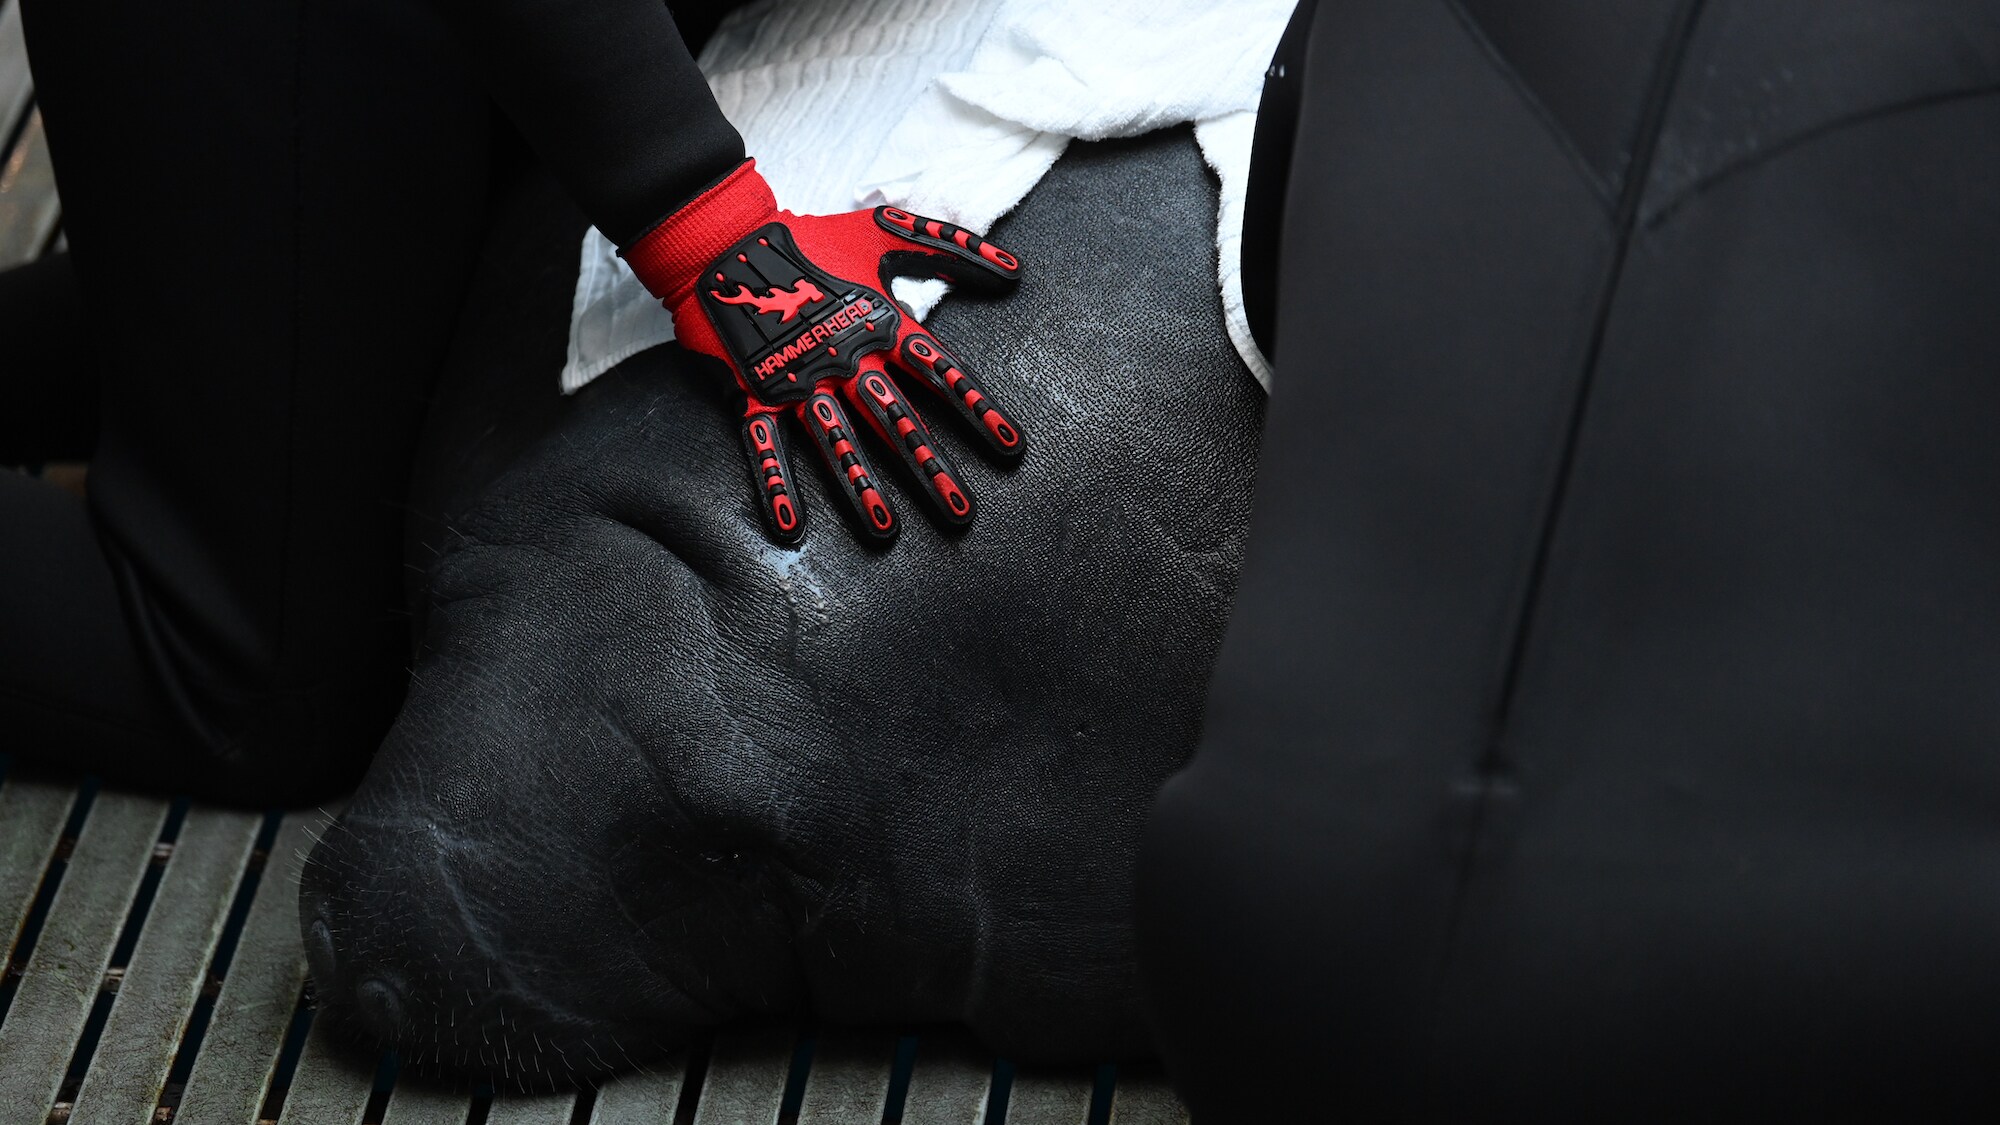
(656, 774)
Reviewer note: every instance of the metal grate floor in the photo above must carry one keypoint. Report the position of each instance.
(154, 972)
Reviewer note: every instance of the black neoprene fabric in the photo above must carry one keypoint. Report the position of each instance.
(272, 209)
(1270, 171)
(608, 95)
(48, 391)
(1607, 724)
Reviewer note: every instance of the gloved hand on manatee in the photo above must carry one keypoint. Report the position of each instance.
(658, 773)
(819, 333)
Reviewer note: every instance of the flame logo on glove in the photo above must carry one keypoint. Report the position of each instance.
(778, 300)
(831, 356)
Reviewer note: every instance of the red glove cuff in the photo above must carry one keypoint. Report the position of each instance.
(672, 255)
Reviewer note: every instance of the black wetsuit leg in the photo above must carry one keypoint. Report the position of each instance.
(1606, 728)
(271, 208)
(48, 383)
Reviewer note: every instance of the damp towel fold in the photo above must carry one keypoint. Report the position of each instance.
(955, 109)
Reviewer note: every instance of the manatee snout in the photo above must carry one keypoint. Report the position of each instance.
(528, 946)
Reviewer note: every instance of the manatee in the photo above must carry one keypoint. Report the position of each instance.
(656, 774)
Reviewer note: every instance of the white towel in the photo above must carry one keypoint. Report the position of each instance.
(980, 97)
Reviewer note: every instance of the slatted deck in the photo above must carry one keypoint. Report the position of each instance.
(154, 973)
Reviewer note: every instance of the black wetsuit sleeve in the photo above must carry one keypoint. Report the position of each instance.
(608, 94)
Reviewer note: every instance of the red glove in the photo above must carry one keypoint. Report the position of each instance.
(774, 296)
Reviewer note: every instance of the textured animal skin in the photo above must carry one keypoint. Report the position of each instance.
(656, 774)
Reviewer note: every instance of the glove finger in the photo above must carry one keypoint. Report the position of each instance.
(853, 477)
(772, 472)
(950, 253)
(921, 355)
(898, 423)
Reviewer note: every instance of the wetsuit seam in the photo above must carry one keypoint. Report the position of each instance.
(1489, 765)
(1709, 180)
(1599, 189)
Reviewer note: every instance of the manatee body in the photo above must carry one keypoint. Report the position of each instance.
(656, 774)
